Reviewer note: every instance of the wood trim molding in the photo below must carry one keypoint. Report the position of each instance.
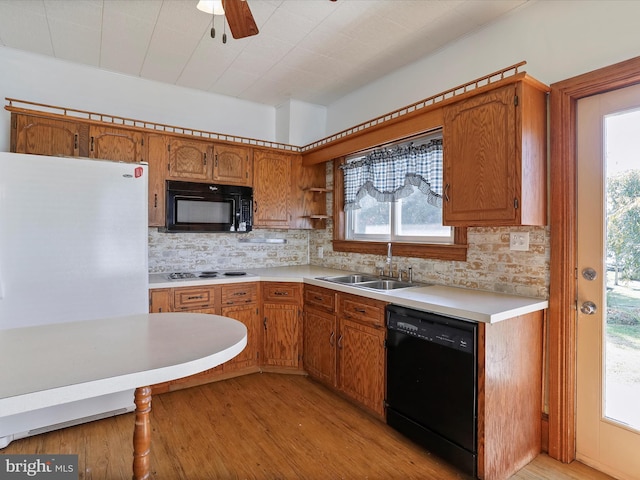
(562, 301)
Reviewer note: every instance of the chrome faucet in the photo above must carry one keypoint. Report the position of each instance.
(390, 259)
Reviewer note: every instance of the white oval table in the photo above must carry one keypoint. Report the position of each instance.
(53, 364)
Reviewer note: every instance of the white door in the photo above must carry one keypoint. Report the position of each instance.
(608, 297)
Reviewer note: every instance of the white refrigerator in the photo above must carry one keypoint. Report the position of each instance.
(73, 246)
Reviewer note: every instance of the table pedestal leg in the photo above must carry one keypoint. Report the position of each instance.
(142, 434)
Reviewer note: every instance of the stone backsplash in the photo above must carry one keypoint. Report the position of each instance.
(177, 252)
(490, 264)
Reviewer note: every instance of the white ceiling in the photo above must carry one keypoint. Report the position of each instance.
(311, 50)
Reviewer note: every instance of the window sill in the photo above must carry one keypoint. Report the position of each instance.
(454, 252)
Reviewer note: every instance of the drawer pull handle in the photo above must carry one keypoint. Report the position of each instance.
(319, 299)
(360, 310)
(240, 294)
(199, 297)
(280, 294)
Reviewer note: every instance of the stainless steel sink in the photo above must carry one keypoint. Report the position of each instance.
(351, 279)
(386, 284)
(370, 282)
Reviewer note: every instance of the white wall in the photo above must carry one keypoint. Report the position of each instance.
(300, 123)
(42, 79)
(559, 39)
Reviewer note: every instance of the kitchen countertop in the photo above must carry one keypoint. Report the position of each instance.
(468, 304)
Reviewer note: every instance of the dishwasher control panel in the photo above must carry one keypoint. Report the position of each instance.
(445, 331)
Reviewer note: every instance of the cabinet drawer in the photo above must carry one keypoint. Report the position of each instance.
(281, 292)
(360, 309)
(239, 294)
(320, 298)
(194, 298)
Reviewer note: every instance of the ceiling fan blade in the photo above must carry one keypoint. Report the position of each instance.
(239, 18)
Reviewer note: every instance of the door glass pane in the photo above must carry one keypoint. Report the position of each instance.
(622, 319)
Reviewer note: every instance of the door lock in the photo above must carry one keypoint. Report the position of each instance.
(589, 274)
(588, 308)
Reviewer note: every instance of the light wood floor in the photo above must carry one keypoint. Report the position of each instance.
(262, 426)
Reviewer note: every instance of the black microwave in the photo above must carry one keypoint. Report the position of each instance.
(206, 207)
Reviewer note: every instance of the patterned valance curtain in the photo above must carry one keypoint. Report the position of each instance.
(390, 174)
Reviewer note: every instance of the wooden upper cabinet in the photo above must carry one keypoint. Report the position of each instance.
(232, 165)
(271, 189)
(157, 152)
(117, 144)
(189, 159)
(495, 158)
(48, 136)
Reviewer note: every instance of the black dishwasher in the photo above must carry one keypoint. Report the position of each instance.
(432, 383)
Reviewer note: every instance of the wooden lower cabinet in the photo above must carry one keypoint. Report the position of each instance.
(238, 301)
(510, 378)
(249, 357)
(361, 351)
(282, 325)
(344, 345)
(320, 336)
(361, 364)
(161, 300)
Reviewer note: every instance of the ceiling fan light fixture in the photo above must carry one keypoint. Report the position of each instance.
(213, 7)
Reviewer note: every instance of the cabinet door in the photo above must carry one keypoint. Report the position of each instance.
(47, 136)
(247, 314)
(271, 189)
(160, 300)
(361, 356)
(189, 160)
(117, 144)
(232, 165)
(281, 335)
(481, 162)
(158, 159)
(320, 338)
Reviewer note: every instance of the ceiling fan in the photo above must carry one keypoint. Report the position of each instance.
(238, 13)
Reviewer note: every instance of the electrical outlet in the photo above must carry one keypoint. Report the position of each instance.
(320, 252)
(519, 241)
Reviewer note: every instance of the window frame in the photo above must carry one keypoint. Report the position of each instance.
(457, 251)
(394, 208)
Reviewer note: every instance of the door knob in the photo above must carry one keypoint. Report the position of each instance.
(588, 308)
